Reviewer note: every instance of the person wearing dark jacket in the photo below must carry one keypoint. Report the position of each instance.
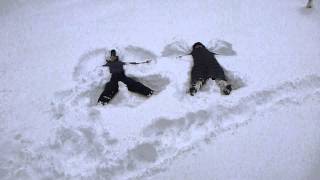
(206, 66)
(118, 74)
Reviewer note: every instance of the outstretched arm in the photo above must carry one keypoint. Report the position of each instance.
(106, 64)
(180, 56)
(147, 61)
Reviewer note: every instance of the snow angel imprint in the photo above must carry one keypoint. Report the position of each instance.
(118, 74)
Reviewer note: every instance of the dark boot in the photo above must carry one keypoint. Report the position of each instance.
(224, 86)
(195, 87)
(227, 90)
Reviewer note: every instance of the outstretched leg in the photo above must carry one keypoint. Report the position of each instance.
(137, 87)
(224, 86)
(109, 92)
(195, 86)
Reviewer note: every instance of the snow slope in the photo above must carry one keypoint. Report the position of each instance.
(51, 55)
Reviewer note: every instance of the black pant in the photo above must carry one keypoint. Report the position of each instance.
(112, 87)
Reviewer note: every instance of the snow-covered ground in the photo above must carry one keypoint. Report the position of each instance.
(51, 76)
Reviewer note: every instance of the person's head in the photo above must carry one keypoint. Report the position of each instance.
(197, 45)
(113, 55)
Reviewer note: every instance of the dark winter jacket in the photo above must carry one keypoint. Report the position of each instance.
(115, 67)
(205, 65)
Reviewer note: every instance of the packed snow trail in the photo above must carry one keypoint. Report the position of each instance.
(152, 149)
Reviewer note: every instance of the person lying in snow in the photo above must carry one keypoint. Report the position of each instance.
(118, 74)
(206, 66)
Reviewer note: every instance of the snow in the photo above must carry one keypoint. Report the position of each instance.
(51, 54)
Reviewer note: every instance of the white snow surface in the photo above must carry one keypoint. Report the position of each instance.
(51, 76)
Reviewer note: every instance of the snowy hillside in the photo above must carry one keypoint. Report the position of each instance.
(51, 74)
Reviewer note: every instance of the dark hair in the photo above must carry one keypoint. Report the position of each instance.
(113, 52)
(197, 44)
